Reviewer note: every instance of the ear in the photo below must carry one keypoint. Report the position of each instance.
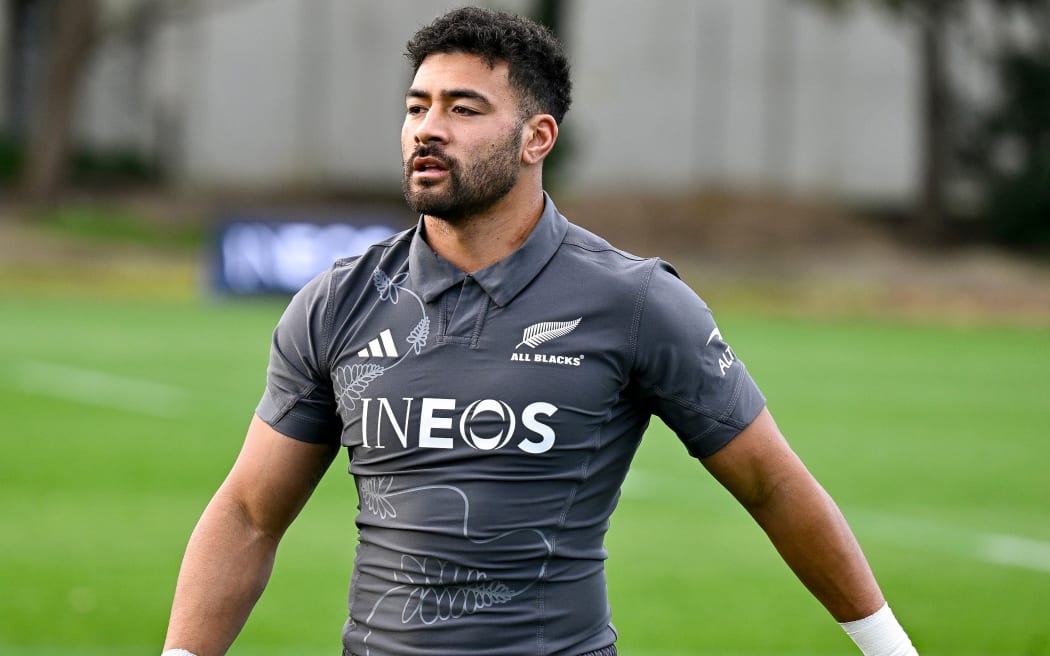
(539, 134)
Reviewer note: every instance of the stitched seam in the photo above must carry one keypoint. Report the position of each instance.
(479, 323)
(329, 322)
(541, 607)
(285, 409)
(568, 241)
(723, 417)
(636, 319)
(563, 517)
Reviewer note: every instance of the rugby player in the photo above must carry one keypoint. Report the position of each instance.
(490, 373)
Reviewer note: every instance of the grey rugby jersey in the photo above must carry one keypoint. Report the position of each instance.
(490, 419)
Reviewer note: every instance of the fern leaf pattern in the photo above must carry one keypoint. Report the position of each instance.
(490, 593)
(350, 382)
(439, 591)
(538, 333)
(388, 287)
(375, 492)
(419, 335)
(434, 590)
(381, 281)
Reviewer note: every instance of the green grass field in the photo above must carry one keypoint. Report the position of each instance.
(120, 418)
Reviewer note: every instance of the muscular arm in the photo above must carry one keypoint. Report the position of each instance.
(803, 522)
(231, 551)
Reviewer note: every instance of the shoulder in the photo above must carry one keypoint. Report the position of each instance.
(376, 253)
(343, 282)
(588, 251)
(349, 272)
(596, 260)
(586, 242)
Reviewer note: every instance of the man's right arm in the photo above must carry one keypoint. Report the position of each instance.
(230, 554)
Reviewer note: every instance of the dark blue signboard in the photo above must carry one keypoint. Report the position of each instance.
(279, 254)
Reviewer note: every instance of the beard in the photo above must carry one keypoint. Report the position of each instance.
(470, 189)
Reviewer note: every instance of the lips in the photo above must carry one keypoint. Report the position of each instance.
(428, 165)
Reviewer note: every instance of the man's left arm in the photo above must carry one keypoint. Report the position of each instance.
(760, 469)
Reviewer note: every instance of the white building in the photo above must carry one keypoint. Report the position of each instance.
(669, 94)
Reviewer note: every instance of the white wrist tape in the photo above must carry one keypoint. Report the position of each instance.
(879, 634)
(178, 652)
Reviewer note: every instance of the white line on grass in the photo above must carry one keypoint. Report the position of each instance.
(1015, 551)
(919, 534)
(991, 548)
(99, 388)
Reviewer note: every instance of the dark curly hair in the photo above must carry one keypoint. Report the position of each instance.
(539, 69)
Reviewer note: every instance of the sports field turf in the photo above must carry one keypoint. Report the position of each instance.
(120, 418)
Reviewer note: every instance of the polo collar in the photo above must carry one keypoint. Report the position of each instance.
(432, 275)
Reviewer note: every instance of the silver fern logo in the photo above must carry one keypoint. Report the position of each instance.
(545, 331)
(541, 333)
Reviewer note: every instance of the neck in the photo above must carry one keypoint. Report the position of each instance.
(479, 241)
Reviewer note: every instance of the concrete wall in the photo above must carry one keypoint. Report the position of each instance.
(4, 82)
(289, 92)
(669, 94)
(749, 93)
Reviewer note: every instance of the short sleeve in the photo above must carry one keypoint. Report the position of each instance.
(689, 375)
(298, 399)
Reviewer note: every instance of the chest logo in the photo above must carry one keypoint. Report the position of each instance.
(542, 333)
(380, 347)
(545, 331)
(351, 381)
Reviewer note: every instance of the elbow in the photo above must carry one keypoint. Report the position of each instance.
(230, 514)
(792, 493)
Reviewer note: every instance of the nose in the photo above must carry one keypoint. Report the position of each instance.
(430, 128)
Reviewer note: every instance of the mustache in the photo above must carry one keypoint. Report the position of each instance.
(435, 151)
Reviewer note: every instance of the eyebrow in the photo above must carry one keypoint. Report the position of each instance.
(450, 94)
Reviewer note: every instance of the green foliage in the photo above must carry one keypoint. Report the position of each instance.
(1008, 150)
(89, 167)
(11, 159)
(1003, 152)
(110, 224)
(111, 166)
(933, 439)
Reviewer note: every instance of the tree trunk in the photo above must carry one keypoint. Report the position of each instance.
(69, 49)
(935, 118)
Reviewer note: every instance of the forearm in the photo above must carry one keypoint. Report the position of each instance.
(224, 571)
(813, 538)
(810, 533)
(764, 474)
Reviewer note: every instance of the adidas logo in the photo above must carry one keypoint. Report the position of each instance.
(380, 347)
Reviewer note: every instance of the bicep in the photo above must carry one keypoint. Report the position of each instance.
(756, 462)
(274, 475)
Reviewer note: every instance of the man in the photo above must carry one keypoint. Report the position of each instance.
(491, 372)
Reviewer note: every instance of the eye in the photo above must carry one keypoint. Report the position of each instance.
(414, 110)
(465, 111)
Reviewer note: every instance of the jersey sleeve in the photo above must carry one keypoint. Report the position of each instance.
(691, 378)
(298, 400)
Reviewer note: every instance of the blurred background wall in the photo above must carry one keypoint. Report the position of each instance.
(744, 93)
(670, 94)
(939, 109)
